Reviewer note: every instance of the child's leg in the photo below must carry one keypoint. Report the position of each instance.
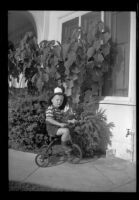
(65, 137)
(65, 134)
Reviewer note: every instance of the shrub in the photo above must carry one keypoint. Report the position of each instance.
(92, 132)
(27, 127)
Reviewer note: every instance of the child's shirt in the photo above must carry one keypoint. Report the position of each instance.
(54, 113)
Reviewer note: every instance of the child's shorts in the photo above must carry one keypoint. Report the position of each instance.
(51, 129)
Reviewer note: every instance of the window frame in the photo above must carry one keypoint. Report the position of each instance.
(70, 16)
(130, 99)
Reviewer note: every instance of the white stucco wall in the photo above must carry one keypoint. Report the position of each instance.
(54, 23)
(47, 23)
(123, 117)
(42, 22)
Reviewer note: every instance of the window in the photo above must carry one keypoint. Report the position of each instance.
(116, 82)
(88, 18)
(68, 27)
(83, 20)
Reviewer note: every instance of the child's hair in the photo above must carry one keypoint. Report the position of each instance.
(65, 100)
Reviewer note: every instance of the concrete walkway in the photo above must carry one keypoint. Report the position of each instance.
(98, 174)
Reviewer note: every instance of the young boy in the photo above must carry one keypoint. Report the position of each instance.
(54, 115)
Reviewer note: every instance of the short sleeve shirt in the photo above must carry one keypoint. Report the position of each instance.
(54, 113)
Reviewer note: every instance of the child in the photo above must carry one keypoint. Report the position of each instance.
(54, 115)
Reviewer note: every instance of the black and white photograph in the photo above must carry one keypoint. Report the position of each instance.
(72, 101)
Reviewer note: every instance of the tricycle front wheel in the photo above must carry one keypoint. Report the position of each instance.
(42, 160)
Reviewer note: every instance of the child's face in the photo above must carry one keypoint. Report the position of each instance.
(57, 100)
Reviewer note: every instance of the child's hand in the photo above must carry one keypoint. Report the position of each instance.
(62, 125)
(72, 121)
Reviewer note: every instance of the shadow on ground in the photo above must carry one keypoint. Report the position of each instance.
(57, 160)
(60, 159)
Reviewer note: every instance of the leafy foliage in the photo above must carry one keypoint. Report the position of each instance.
(27, 127)
(78, 65)
(69, 64)
(92, 131)
(13, 69)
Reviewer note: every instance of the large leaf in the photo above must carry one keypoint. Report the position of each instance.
(69, 83)
(90, 64)
(65, 48)
(98, 57)
(97, 45)
(74, 46)
(39, 84)
(74, 77)
(43, 44)
(71, 59)
(76, 93)
(67, 72)
(53, 70)
(57, 51)
(95, 89)
(51, 43)
(57, 75)
(51, 61)
(106, 49)
(100, 26)
(45, 54)
(80, 78)
(76, 70)
(56, 61)
(45, 77)
(105, 67)
(76, 98)
(68, 91)
(47, 70)
(97, 75)
(90, 52)
(88, 95)
(106, 37)
(34, 78)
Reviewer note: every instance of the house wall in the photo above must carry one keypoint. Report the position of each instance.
(123, 117)
(54, 29)
(42, 22)
(122, 110)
